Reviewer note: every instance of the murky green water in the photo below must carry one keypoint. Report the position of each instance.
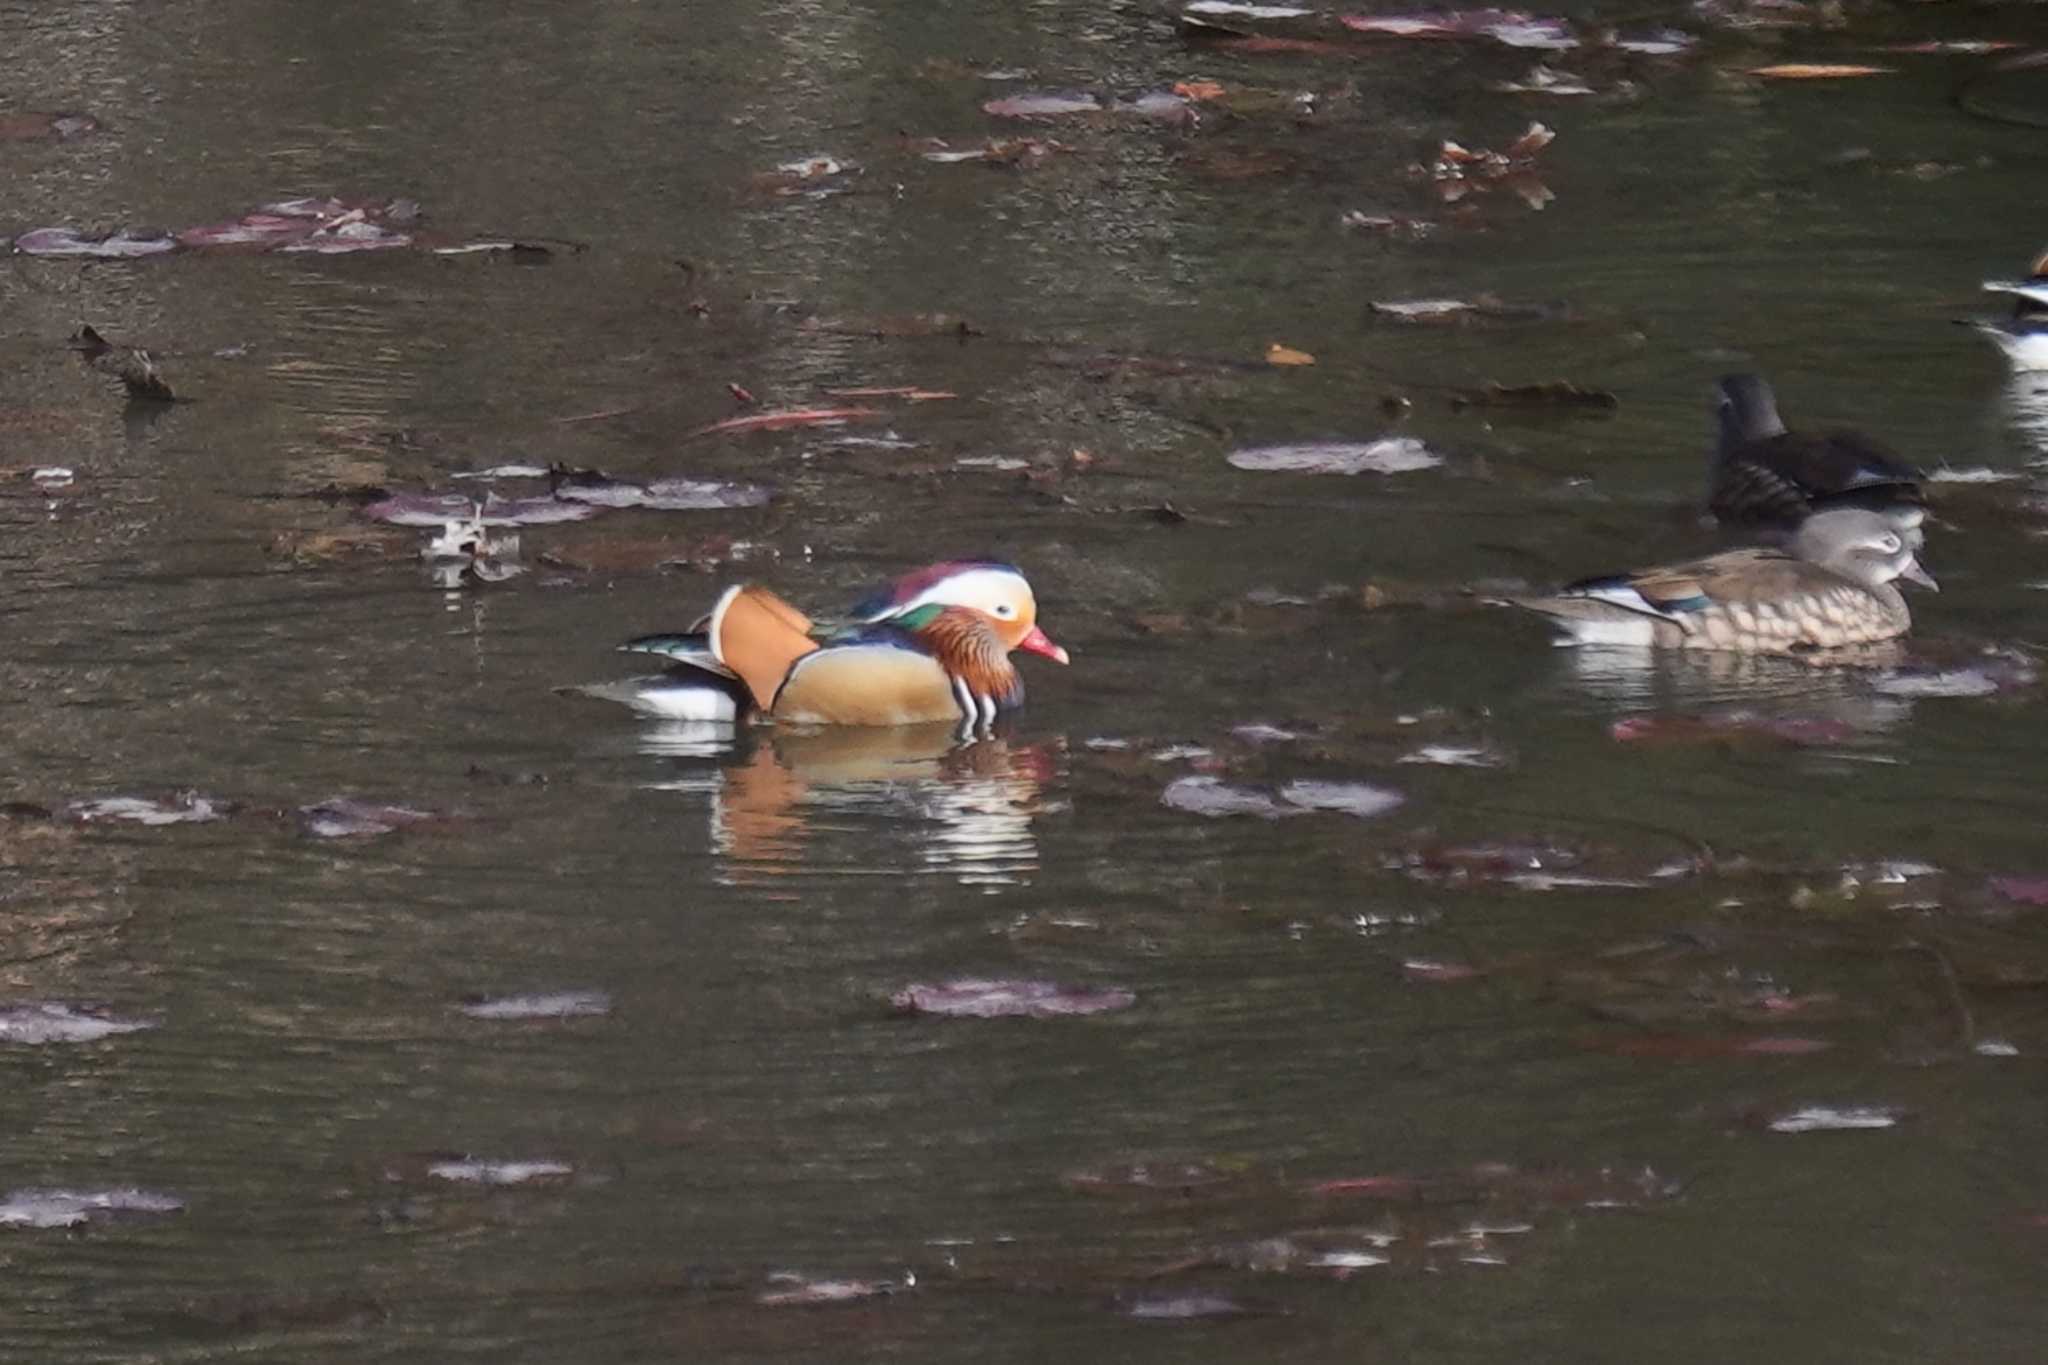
(181, 616)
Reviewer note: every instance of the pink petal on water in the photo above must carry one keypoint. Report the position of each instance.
(2024, 890)
(975, 998)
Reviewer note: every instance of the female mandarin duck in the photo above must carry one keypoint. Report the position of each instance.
(2023, 336)
(1832, 588)
(1767, 476)
(932, 646)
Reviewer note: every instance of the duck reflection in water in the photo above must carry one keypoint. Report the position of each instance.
(956, 806)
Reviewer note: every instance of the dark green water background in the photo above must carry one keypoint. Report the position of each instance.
(749, 1106)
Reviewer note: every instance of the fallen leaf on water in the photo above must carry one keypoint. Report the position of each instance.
(907, 393)
(470, 1171)
(28, 126)
(798, 1291)
(1666, 42)
(1364, 220)
(1541, 80)
(186, 808)
(350, 817)
(121, 245)
(1694, 1047)
(1429, 969)
(1148, 1177)
(1511, 27)
(435, 510)
(555, 1005)
(1389, 455)
(42, 1022)
(1186, 1305)
(1199, 90)
(1965, 47)
(1822, 1118)
(1240, 10)
(45, 1208)
(660, 495)
(1276, 354)
(784, 419)
(1733, 724)
(978, 998)
(2022, 890)
(1556, 393)
(1361, 799)
(1817, 71)
(1043, 104)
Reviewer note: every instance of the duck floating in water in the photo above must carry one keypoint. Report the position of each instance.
(933, 646)
(2023, 336)
(1767, 476)
(1833, 587)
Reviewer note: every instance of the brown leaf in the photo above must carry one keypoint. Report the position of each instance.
(1817, 71)
(1276, 354)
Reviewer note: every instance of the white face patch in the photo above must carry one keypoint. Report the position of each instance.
(995, 592)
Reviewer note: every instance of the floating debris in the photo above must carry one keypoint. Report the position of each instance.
(473, 1172)
(50, 1021)
(1348, 798)
(659, 495)
(1542, 80)
(436, 510)
(1818, 71)
(797, 1291)
(1456, 756)
(1510, 27)
(976, 998)
(36, 1208)
(349, 817)
(554, 1005)
(26, 127)
(1832, 1119)
(1044, 104)
(1389, 455)
(1186, 1305)
(1212, 796)
(118, 246)
(186, 808)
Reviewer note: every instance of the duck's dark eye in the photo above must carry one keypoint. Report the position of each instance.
(1005, 609)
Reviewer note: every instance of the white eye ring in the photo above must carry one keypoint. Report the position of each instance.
(1005, 609)
(1889, 545)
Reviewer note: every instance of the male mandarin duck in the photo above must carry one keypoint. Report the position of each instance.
(1767, 476)
(2023, 336)
(1832, 587)
(934, 645)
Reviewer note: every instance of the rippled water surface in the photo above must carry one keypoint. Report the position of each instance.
(408, 1006)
